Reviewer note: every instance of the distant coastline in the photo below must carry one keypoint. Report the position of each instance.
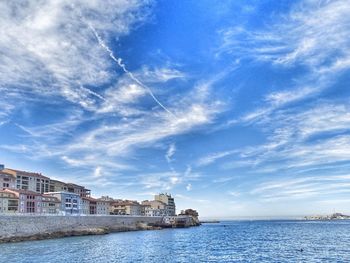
(335, 216)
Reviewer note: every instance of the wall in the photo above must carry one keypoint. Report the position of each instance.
(17, 228)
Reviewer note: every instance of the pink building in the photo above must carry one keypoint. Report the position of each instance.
(28, 201)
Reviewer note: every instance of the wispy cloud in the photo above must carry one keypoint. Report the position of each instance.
(313, 33)
(170, 152)
(211, 158)
(300, 188)
(62, 58)
(68, 47)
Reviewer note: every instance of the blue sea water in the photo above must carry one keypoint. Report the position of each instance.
(234, 241)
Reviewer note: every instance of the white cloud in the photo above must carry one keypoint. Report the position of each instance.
(170, 152)
(55, 52)
(98, 171)
(314, 33)
(301, 188)
(211, 158)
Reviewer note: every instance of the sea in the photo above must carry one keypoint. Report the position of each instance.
(227, 241)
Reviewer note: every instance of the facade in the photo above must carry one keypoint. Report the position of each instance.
(8, 202)
(169, 201)
(125, 207)
(7, 180)
(70, 203)
(50, 204)
(28, 201)
(154, 208)
(102, 207)
(92, 206)
(106, 198)
(85, 206)
(35, 182)
(78, 189)
(58, 186)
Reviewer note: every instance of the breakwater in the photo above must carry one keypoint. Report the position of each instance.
(14, 228)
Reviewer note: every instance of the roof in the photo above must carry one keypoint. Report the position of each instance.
(7, 192)
(91, 199)
(62, 192)
(7, 173)
(57, 181)
(75, 185)
(146, 202)
(21, 191)
(125, 202)
(26, 173)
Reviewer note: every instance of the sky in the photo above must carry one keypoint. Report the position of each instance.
(237, 108)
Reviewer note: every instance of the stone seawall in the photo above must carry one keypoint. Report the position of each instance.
(15, 228)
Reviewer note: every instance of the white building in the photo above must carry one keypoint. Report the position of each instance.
(70, 203)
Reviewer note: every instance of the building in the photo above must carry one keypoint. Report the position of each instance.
(58, 186)
(85, 206)
(169, 201)
(154, 208)
(102, 207)
(125, 207)
(50, 204)
(106, 198)
(8, 202)
(70, 203)
(92, 206)
(35, 182)
(7, 180)
(78, 189)
(28, 201)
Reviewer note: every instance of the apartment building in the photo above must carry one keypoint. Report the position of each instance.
(50, 204)
(85, 206)
(57, 186)
(8, 202)
(125, 207)
(35, 182)
(102, 207)
(154, 208)
(92, 206)
(28, 201)
(70, 203)
(169, 201)
(78, 189)
(7, 180)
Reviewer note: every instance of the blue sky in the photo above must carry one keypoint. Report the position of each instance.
(237, 108)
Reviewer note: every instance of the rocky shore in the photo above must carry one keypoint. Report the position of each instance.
(26, 228)
(71, 233)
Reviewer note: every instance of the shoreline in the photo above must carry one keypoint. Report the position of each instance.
(30, 228)
(73, 233)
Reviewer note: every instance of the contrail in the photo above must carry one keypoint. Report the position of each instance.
(120, 63)
(92, 92)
